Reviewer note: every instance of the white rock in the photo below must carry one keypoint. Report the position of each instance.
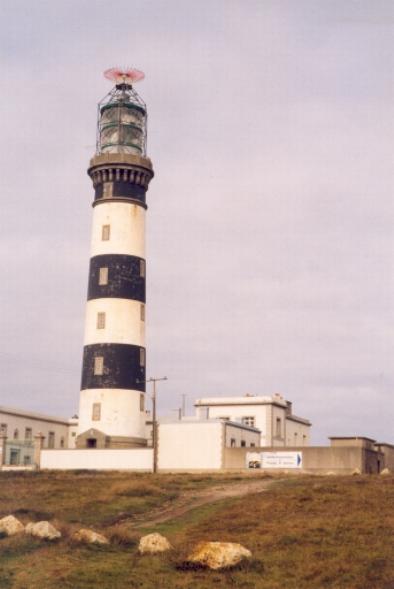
(217, 555)
(43, 530)
(153, 543)
(385, 471)
(90, 537)
(10, 525)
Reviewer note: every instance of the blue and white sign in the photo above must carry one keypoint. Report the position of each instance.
(282, 460)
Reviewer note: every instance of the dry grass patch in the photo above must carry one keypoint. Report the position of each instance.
(304, 533)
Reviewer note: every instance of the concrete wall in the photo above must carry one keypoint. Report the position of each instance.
(190, 445)
(127, 459)
(315, 459)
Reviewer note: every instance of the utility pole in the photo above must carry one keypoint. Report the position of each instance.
(154, 420)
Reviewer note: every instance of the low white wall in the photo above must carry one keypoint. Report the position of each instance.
(92, 459)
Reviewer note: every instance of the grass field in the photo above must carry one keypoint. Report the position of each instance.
(304, 532)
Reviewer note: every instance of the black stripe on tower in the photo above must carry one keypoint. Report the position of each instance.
(113, 366)
(120, 189)
(123, 279)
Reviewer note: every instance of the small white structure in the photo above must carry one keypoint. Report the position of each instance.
(199, 444)
(272, 415)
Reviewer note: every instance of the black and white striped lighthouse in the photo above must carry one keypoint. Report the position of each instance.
(112, 400)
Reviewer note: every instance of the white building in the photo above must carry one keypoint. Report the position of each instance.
(20, 427)
(272, 415)
(199, 444)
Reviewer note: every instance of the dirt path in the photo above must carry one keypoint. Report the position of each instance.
(191, 499)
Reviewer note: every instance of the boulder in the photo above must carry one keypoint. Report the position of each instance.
(10, 525)
(218, 555)
(383, 472)
(89, 537)
(43, 530)
(153, 543)
(356, 471)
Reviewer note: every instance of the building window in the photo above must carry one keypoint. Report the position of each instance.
(62, 442)
(100, 320)
(51, 440)
(252, 444)
(28, 433)
(142, 356)
(142, 402)
(249, 420)
(73, 434)
(243, 443)
(142, 268)
(232, 443)
(98, 369)
(103, 276)
(142, 312)
(96, 411)
(278, 431)
(3, 428)
(304, 440)
(105, 232)
(26, 460)
(16, 434)
(15, 456)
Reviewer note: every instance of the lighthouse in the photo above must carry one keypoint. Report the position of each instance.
(112, 398)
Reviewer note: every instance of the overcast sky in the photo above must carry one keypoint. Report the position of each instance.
(270, 222)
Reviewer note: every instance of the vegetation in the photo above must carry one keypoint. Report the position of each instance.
(304, 532)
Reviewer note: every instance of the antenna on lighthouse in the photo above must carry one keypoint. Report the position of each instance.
(124, 75)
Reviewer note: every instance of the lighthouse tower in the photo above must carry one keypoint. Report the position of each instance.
(112, 399)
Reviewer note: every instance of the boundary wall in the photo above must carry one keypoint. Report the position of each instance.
(94, 459)
(315, 459)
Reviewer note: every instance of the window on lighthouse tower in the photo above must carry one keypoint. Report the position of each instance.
(105, 232)
(100, 320)
(98, 368)
(142, 357)
(103, 276)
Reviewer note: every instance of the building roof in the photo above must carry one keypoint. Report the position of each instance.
(298, 419)
(33, 415)
(351, 438)
(246, 400)
(195, 421)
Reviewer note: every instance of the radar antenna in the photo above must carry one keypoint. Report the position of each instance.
(124, 75)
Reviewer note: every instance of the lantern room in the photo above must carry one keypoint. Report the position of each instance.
(122, 121)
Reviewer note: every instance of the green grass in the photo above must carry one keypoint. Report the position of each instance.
(304, 533)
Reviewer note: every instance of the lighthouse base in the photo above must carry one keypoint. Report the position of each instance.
(94, 438)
